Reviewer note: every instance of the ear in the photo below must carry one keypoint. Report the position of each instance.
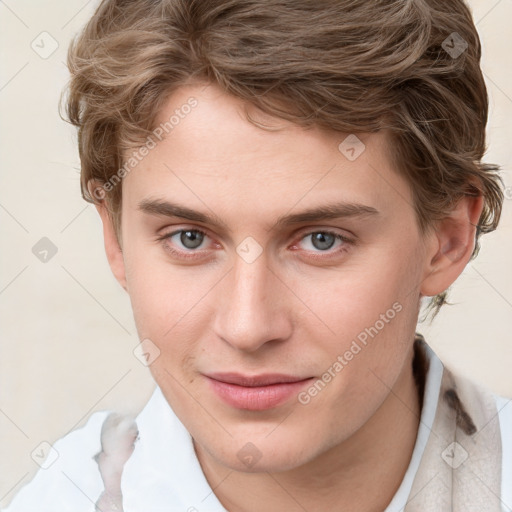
(450, 245)
(112, 247)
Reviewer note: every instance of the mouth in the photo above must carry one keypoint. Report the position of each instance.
(258, 392)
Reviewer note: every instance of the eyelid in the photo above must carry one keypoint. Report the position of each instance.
(179, 230)
(167, 235)
(328, 229)
(298, 236)
(185, 255)
(347, 241)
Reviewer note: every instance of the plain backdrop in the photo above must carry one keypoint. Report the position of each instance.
(67, 328)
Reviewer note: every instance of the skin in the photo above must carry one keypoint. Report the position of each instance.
(293, 310)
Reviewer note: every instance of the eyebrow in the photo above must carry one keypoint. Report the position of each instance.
(329, 211)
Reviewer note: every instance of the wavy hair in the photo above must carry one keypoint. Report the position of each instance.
(344, 65)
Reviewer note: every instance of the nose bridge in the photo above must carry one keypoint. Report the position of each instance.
(249, 313)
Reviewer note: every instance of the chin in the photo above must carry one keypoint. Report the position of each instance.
(257, 456)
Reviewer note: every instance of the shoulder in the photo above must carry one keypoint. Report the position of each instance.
(68, 478)
(498, 411)
(483, 415)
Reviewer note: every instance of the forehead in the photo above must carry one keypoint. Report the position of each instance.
(210, 155)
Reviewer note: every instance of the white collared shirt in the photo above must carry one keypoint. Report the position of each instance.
(164, 475)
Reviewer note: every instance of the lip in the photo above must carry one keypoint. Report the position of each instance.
(258, 392)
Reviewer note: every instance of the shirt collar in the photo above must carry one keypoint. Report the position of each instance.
(164, 473)
(431, 391)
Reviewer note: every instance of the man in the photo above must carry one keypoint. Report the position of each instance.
(281, 184)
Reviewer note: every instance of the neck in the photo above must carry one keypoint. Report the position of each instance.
(362, 473)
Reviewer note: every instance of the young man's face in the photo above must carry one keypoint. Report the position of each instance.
(259, 294)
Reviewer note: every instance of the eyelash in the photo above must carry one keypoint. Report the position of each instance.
(193, 254)
(190, 254)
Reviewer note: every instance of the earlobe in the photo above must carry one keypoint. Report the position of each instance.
(451, 245)
(112, 247)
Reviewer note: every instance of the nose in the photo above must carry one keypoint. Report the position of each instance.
(253, 307)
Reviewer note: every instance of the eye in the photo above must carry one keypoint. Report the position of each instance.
(184, 242)
(190, 238)
(190, 243)
(323, 241)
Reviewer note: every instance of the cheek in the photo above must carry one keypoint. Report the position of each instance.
(371, 311)
(354, 296)
(171, 308)
(161, 294)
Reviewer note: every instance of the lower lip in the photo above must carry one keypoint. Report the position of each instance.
(258, 398)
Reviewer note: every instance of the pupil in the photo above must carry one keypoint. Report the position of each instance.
(323, 240)
(191, 239)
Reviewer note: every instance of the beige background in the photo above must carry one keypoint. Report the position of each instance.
(68, 333)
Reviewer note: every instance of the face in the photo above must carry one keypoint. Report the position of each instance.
(231, 278)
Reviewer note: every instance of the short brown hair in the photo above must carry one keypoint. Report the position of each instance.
(344, 65)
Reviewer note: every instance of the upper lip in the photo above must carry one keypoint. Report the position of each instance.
(265, 379)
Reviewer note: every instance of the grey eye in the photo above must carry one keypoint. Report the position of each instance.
(322, 240)
(191, 239)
